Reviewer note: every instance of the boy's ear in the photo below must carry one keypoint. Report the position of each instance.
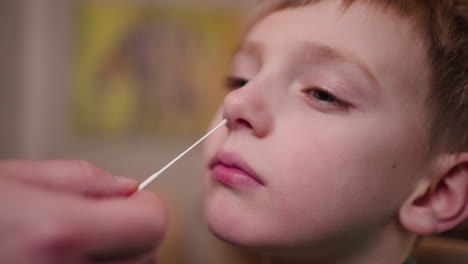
(440, 202)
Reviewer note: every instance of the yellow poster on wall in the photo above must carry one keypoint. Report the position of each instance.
(150, 70)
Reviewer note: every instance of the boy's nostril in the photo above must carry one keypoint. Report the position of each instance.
(243, 123)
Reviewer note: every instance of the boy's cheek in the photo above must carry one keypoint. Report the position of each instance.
(339, 168)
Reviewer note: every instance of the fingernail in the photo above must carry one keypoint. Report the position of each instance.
(129, 183)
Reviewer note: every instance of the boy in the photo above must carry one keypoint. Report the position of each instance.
(347, 131)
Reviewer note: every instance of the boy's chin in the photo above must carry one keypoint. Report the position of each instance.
(228, 235)
(253, 239)
(232, 225)
(241, 221)
(228, 220)
(229, 224)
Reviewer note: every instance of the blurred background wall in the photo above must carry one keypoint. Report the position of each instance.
(9, 71)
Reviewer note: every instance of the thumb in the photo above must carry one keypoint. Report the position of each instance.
(70, 176)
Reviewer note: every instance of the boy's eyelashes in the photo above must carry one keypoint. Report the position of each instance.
(233, 83)
(324, 97)
(315, 93)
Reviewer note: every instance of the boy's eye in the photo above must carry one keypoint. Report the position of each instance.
(324, 97)
(235, 82)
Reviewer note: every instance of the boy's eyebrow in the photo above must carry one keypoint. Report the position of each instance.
(312, 49)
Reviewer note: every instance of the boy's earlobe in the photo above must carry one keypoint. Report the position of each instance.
(440, 203)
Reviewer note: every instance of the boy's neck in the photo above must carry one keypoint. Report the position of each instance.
(392, 246)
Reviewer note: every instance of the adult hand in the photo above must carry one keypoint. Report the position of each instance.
(72, 212)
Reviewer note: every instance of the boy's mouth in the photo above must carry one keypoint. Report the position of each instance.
(230, 170)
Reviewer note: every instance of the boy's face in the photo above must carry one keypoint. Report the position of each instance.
(325, 141)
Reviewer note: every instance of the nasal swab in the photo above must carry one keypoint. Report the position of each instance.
(154, 176)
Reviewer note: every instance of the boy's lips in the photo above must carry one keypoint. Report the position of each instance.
(231, 170)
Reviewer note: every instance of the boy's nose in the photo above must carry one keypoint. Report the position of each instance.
(247, 109)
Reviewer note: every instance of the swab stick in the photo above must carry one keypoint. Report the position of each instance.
(154, 176)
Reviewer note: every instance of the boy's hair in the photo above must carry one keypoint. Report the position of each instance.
(443, 24)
